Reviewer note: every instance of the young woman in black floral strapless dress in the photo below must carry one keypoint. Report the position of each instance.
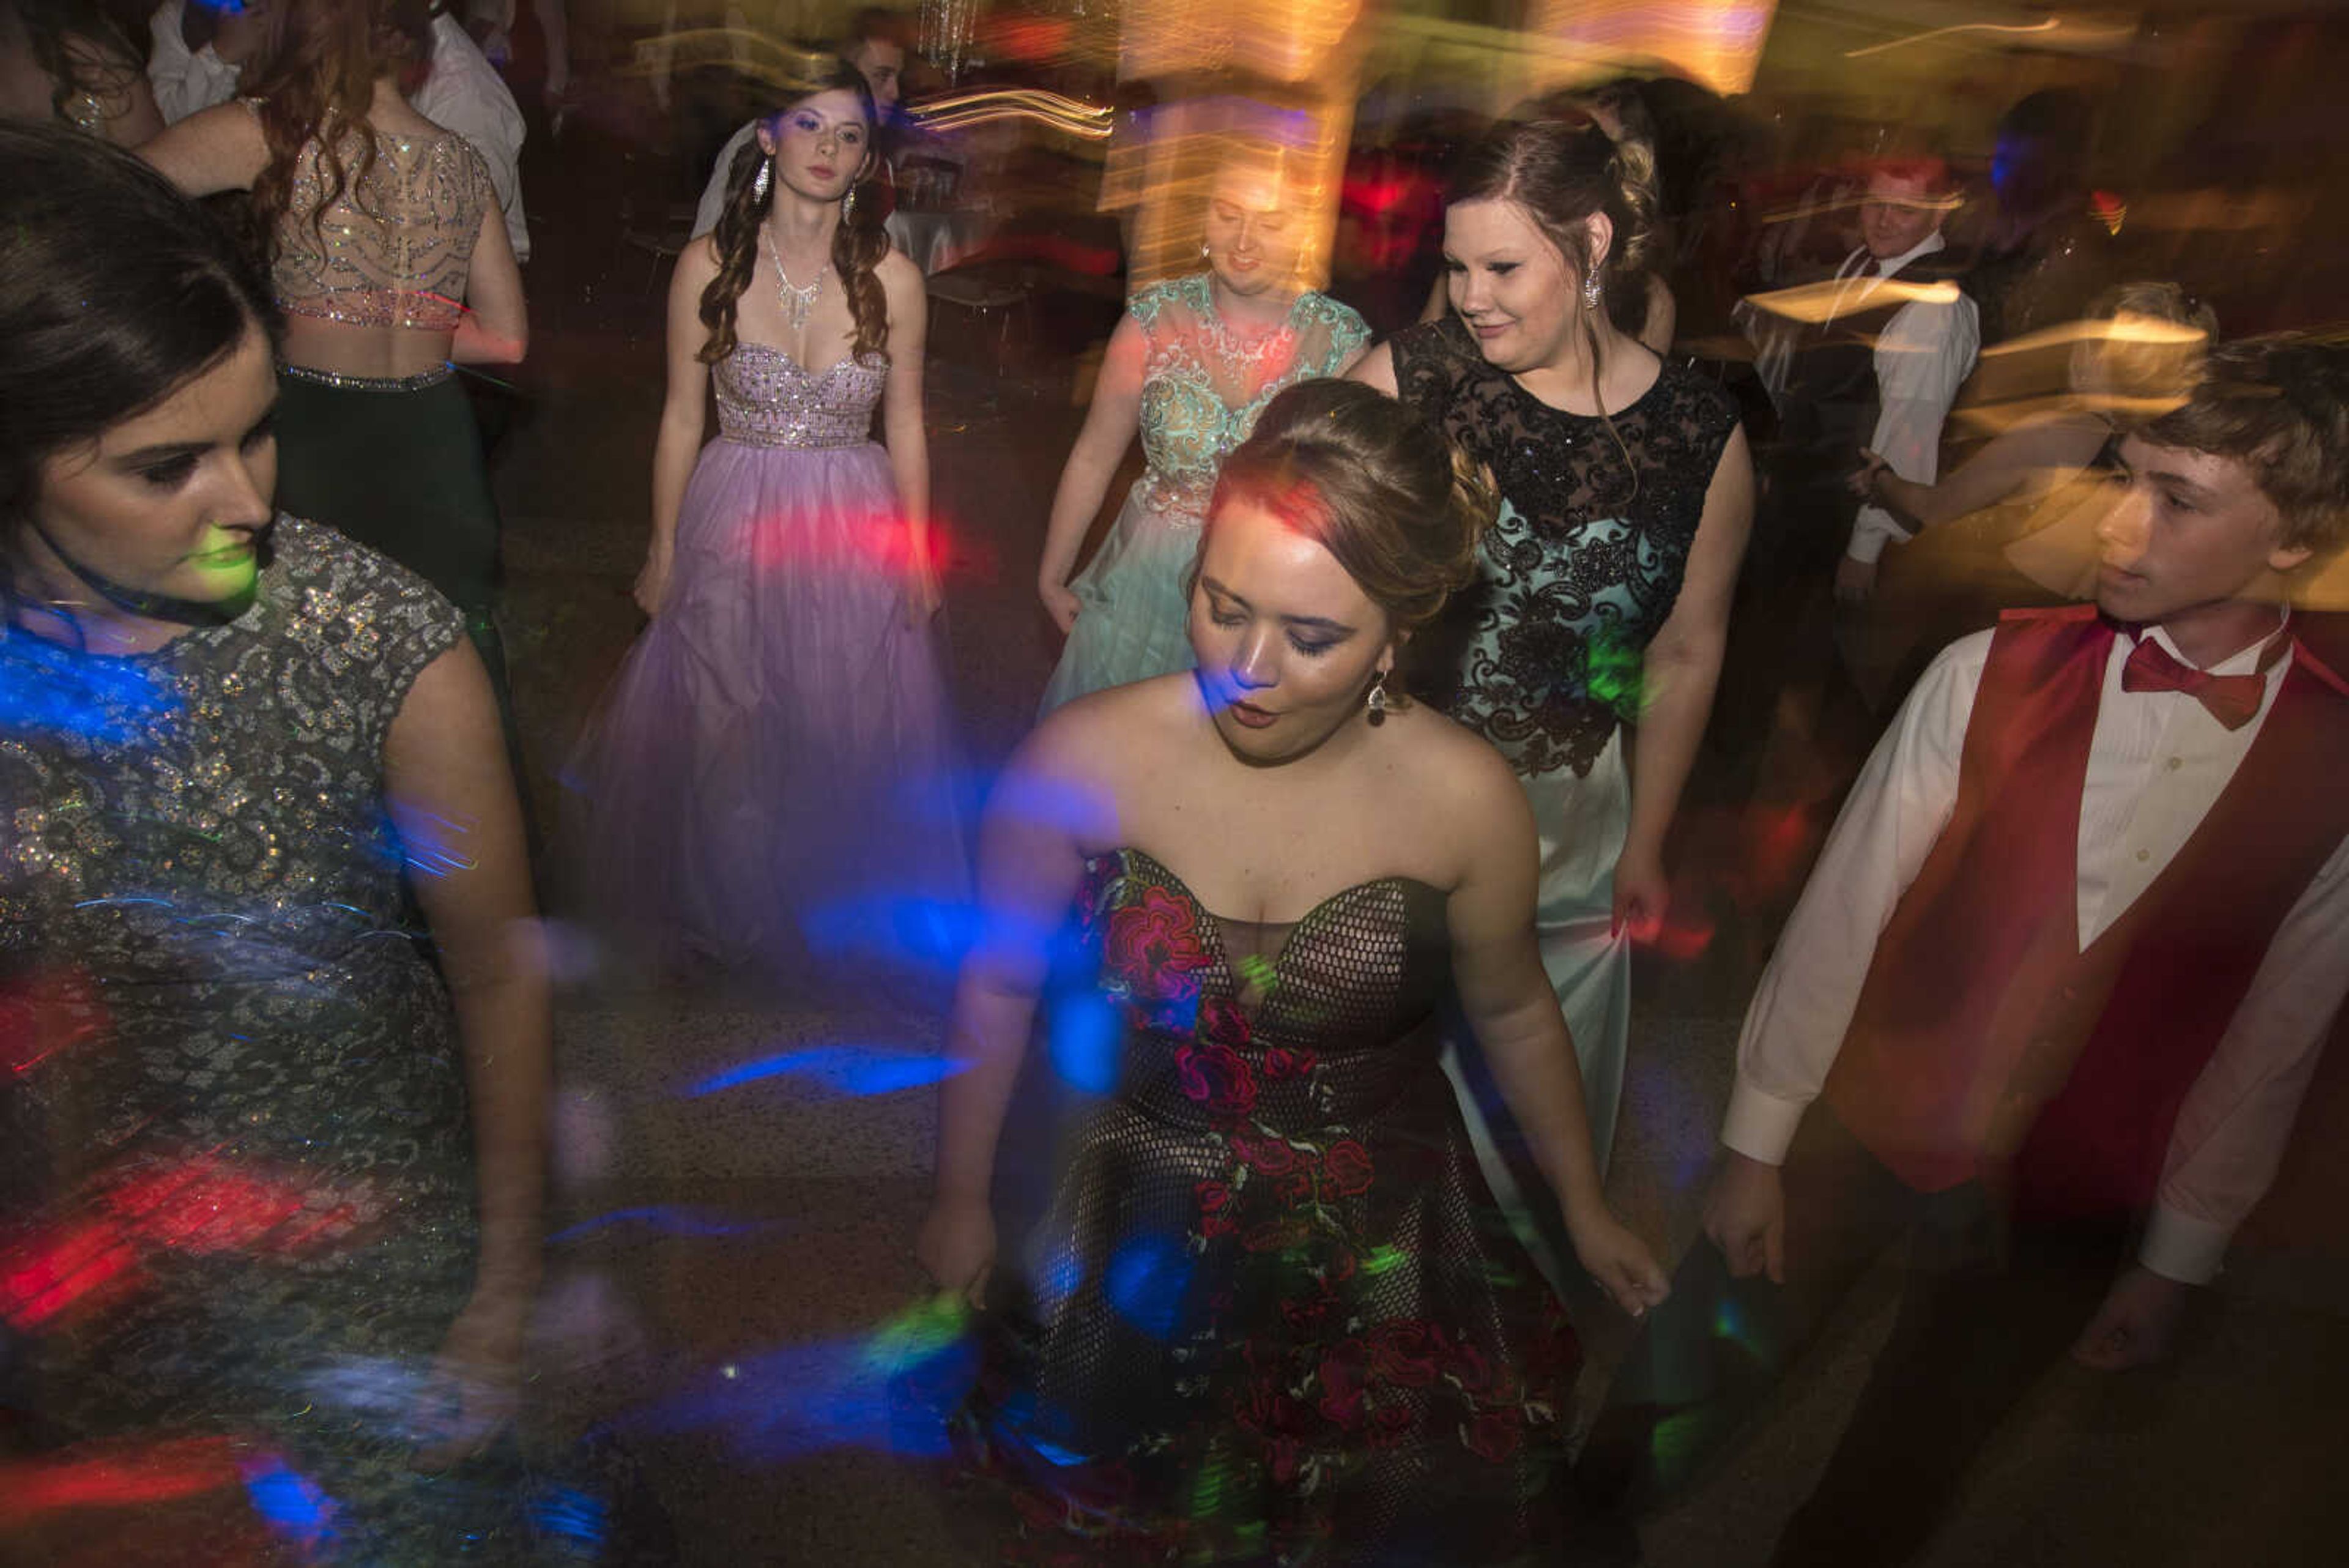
(1271, 1314)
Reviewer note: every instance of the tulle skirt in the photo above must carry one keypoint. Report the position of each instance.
(771, 785)
(1135, 623)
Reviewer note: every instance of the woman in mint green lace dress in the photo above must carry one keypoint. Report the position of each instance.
(1194, 361)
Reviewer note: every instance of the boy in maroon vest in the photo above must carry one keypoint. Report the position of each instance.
(2050, 1001)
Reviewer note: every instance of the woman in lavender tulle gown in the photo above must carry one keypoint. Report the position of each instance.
(767, 784)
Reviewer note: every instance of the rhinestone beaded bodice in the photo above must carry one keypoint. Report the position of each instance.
(1542, 654)
(394, 246)
(1203, 385)
(766, 397)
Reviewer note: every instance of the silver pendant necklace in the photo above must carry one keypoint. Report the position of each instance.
(795, 300)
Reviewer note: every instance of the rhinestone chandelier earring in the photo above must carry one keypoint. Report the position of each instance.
(1590, 289)
(758, 184)
(848, 205)
(1377, 705)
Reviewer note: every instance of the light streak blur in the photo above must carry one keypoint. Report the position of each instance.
(1053, 110)
(839, 1071)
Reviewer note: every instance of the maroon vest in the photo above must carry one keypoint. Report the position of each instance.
(1986, 1043)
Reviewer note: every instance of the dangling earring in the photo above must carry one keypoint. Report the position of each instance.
(848, 205)
(1376, 703)
(1590, 289)
(758, 184)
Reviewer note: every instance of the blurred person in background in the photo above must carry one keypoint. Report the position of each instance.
(2046, 256)
(2050, 1003)
(876, 48)
(1876, 355)
(389, 256)
(776, 748)
(201, 51)
(66, 62)
(1273, 1314)
(1191, 366)
(2015, 524)
(1602, 599)
(272, 1177)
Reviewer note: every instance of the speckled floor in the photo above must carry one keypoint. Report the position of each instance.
(727, 1256)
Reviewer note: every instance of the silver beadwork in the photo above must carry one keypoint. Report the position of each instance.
(795, 300)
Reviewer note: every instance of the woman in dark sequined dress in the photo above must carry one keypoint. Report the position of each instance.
(1271, 1314)
(269, 1177)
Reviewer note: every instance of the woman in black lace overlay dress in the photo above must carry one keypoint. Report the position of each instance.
(1271, 1314)
(269, 1179)
(1603, 595)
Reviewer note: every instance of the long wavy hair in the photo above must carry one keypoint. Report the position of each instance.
(318, 87)
(858, 244)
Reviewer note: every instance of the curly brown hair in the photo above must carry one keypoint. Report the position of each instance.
(323, 65)
(858, 244)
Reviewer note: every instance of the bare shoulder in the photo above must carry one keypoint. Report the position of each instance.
(1447, 773)
(900, 278)
(1376, 368)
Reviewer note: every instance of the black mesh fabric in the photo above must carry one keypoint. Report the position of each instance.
(1272, 1314)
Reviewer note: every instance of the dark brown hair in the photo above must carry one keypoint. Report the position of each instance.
(2280, 406)
(319, 86)
(1372, 481)
(858, 244)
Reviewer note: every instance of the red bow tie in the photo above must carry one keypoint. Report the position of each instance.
(2232, 700)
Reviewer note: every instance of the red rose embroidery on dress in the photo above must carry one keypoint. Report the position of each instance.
(1404, 1351)
(1495, 1434)
(1342, 1383)
(1281, 1062)
(1156, 942)
(1265, 1155)
(1215, 1076)
(1221, 1019)
(1348, 1166)
(1390, 1424)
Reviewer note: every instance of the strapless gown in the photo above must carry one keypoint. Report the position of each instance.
(1272, 1314)
(769, 784)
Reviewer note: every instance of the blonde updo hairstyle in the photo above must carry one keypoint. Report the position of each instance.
(1372, 481)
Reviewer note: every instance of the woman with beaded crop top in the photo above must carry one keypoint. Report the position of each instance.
(389, 258)
(1195, 362)
(1605, 587)
(772, 761)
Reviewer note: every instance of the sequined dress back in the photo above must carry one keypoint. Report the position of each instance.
(236, 1181)
(1272, 1315)
(771, 768)
(1203, 388)
(393, 245)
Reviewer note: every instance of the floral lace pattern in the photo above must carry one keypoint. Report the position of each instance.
(1203, 385)
(1273, 1316)
(1542, 654)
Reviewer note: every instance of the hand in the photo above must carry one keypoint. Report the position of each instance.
(2138, 1325)
(957, 1246)
(923, 599)
(475, 1385)
(1619, 1261)
(1643, 893)
(652, 583)
(1863, 479)
(1060, 603)
(1745, 1215)
(1855, 581)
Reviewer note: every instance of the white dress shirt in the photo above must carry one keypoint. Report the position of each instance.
(463, 93)
(2156, 763)
(1923, 355)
